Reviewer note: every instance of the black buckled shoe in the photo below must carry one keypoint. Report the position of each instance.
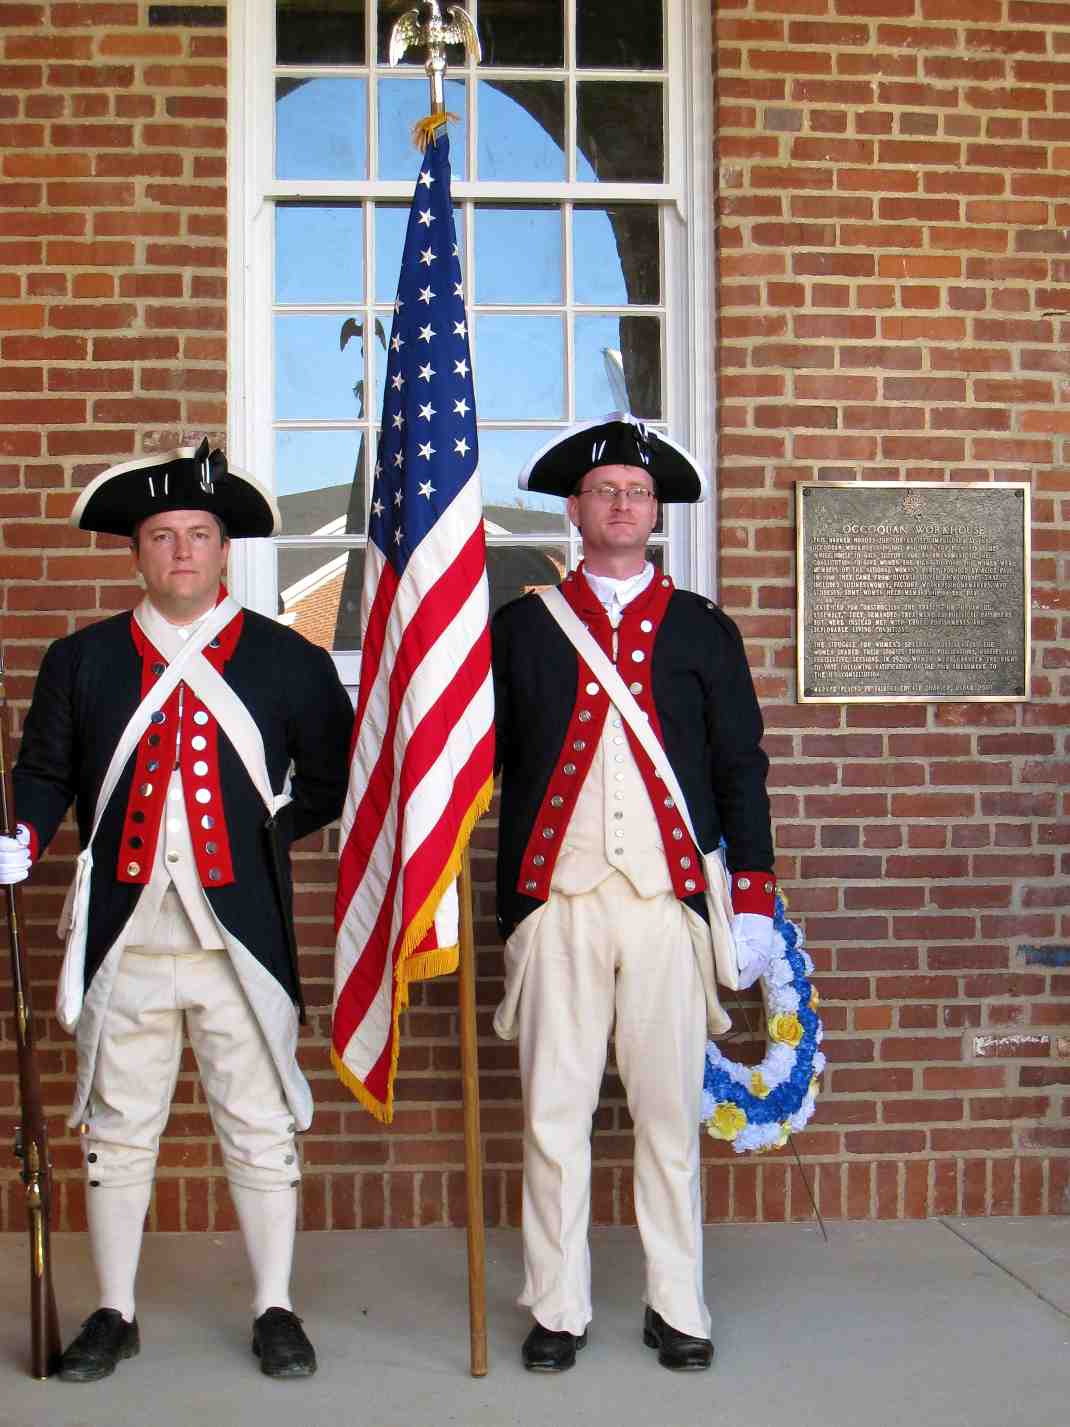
(282, 1345)
(547, 1351)
(676, 1350)
(106, 1338)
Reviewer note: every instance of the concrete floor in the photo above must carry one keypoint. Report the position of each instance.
(952, 1323)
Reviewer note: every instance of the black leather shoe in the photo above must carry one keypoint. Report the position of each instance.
(676, 1350)
(106, 1338)
(547, 1351)
(282, 1345)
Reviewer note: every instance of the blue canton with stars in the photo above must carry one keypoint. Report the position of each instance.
(427, 446)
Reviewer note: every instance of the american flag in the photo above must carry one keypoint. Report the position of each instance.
(422, 762)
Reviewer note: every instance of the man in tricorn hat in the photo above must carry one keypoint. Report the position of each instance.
(198, 740)
(600, 885)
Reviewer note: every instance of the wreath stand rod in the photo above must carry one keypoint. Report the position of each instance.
(791, 1138)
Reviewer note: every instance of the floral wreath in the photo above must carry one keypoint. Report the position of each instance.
(756, 1107)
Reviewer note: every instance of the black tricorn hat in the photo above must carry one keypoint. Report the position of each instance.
(190, 478)
(615, 440)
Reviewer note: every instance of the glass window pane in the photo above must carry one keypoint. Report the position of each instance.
(616, 254)
(319, 252)
(527, 33)
(319, 593)
(316, 482)
(391, 220)
(507, 509)
(319, 368)
(401, 103)
(521, 130)
(518, 255)
(612, 36)
(619, 132)
(618, 357)
(321, 128)
(319, 31)
(513, 570)
(519, 367)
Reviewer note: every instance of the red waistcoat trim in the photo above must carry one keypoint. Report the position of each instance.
(183, 733)
(635, 646)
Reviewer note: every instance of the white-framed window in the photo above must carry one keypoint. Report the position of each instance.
(582, 188)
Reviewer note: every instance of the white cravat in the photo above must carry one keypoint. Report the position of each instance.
(613, 594)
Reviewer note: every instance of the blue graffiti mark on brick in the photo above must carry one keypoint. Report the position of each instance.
(1045, 955)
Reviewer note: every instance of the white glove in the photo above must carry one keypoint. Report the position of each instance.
(753, 936)
(15, 856)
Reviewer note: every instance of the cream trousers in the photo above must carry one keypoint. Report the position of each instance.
(609, 957)
(138, 1063)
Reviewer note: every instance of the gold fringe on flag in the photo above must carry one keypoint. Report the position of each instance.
(425, 129)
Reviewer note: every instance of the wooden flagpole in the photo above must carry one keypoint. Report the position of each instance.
(436, 33)
(473, 1149)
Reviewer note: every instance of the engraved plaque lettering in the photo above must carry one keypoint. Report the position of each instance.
(912, 592)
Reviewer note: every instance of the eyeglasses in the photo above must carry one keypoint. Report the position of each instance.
(607, 493)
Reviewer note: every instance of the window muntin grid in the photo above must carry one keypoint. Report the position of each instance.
(658, 278)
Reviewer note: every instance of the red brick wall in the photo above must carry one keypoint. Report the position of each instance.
(895, 305)
(893, 215)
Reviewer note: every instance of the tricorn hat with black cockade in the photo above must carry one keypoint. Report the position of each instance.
(618, 439)
(190, 478)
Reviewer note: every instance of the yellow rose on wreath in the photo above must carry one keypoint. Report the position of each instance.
(726, 1121)
(758, 1086)
(786, 1028)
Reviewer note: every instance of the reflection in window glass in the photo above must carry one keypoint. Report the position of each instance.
(315, 477)
(603, 42)
(319, 31)
(319, 593)
(521, 130)
(619, 131)
(528, 33)
(509, 510)
(518, 255)
(615, 357)
(321, 128)
(319, 252)
(616, 255)
(513, 570)
(519, 367)
(319, 368)
(401, 103)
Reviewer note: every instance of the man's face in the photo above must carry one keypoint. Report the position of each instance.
(181, 555)
(617, 525)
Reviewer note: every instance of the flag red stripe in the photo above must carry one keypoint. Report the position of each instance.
(431, 617)
(426, 862)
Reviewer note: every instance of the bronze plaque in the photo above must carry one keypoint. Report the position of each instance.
(912, 592)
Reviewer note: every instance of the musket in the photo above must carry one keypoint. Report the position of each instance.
(31, 1136)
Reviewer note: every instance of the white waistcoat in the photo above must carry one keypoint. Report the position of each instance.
(612, 827)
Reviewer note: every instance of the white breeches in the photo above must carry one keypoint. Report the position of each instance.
(603, 956)
(138, 1063)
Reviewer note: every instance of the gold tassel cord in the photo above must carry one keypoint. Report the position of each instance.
(425, 129)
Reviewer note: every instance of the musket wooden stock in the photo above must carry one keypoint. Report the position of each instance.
(31, 1137)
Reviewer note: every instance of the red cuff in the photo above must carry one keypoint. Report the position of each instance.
(754, 892)
(35, 841)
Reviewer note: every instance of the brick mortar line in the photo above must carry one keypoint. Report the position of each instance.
(996, 1263)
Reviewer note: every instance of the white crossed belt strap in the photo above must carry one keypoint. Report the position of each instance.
(718, 895)
(190, 665)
